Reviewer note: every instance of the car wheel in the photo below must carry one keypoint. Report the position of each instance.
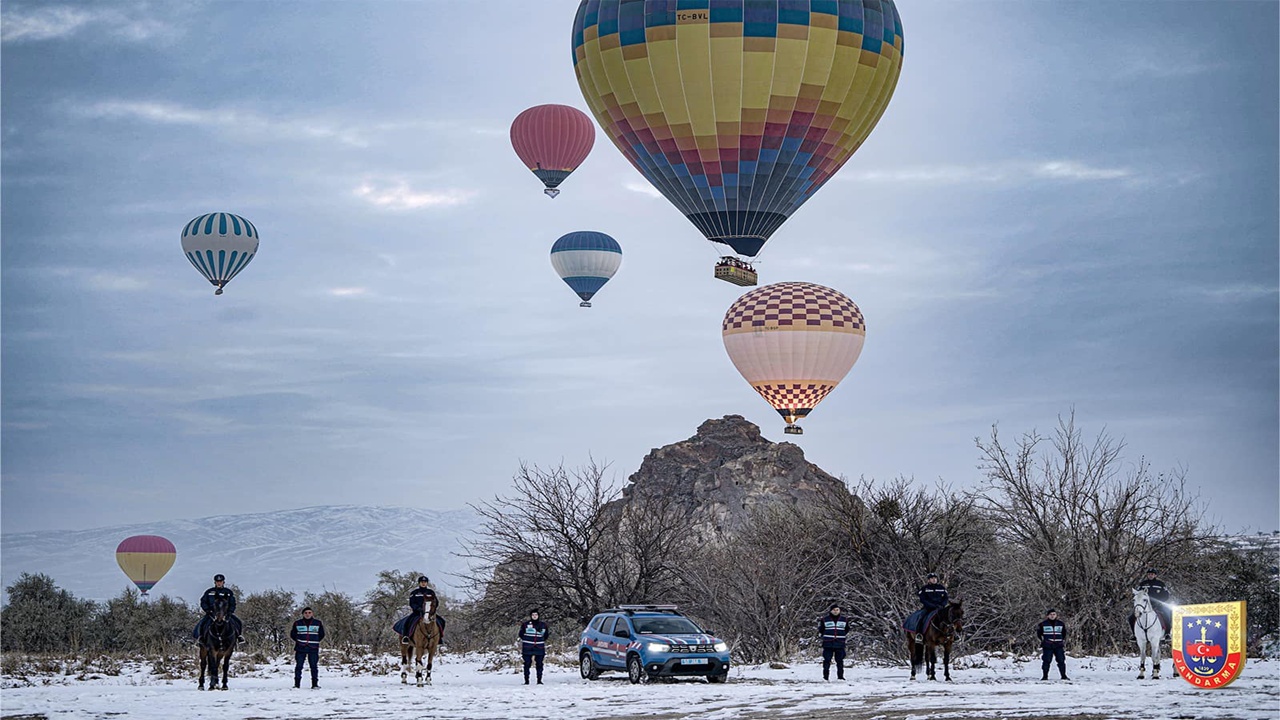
(635, 670)
(587, 667)
(722, 677)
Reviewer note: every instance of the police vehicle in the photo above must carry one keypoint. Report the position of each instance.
(650, 641)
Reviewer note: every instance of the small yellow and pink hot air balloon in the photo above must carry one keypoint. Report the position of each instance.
(145, 559)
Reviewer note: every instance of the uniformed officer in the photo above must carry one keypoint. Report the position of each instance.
(833, 628)
(533, 644)
(1053, 637)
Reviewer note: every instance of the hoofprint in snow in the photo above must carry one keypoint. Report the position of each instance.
(986, 686)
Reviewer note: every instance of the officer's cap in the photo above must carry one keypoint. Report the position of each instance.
(1050, 611)
(1151, 571)
(219, 578)
(423, 578)
(932, 575)
(834, 606)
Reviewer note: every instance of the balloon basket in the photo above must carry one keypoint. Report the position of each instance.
(735, 271)
(218, 291)
(584, 304)
(551, 192)
(793, 429)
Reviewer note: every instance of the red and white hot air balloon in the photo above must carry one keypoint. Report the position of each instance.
(794, 342)
(552, 141)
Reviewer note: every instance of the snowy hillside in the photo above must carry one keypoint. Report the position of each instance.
(319, 548)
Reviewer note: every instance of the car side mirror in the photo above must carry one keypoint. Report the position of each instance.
(623, 633)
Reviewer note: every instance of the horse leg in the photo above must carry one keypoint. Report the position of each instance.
(431, 656)
(1142, 660)
(931, 661)
(226, 668)
(946, 661)
(913, 653)
(1155, 655)
(417, 664)
(405, 652)
(203, 661)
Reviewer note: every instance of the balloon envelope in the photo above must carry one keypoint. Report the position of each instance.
(145, 559)
(794, 342)
(586, 260)
(740, 111)
(219, 246)
(552, 141)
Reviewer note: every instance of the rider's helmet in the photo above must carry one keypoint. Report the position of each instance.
(1151, 571)
(423, 578)
(219, 578)
(931, 576)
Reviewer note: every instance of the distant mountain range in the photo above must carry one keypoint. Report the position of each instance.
(339, 548)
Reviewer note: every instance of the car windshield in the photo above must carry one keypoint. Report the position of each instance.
(665, 626)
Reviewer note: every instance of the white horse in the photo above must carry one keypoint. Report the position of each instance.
(1148, 631)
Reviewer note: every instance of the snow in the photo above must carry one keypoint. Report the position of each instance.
(984, 686)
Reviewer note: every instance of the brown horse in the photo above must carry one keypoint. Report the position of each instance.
(217, 641)
(425, 640)
(942, 629)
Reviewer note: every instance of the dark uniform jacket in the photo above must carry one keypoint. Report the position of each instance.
(1052, 633)
(1156, 589)
(833, 629)
(213, 594)
(421, 597)
(307, 634)
(934, 596)
(533, 638)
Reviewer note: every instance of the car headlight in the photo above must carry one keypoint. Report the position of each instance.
(722, 646)
(659, 647)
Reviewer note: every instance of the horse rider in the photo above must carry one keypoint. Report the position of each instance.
(933, 597)
(419, 599)
(533, 644)
(833, 628)
(208, 601)
(1159, 593)
(1053, 637)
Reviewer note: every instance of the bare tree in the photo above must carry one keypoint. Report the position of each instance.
(563, 542)
(764, 589)
(1088, 522)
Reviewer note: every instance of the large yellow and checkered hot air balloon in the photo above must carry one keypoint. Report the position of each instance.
(737, 110)
(794, 342)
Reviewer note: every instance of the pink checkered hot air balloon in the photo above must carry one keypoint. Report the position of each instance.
(552, 141)
(794, 342)
(145, 559)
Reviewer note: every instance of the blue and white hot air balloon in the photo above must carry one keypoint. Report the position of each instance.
(586, 260)
(219, 245)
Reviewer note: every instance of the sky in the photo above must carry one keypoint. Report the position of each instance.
(1067, 207)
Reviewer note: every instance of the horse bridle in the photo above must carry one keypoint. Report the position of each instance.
(1148, 607)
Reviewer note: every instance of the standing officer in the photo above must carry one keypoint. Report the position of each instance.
(833, 628)
(1053, 636)
(533, 644)
(307, 633)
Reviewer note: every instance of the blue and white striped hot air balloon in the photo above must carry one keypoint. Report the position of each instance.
(586, 260)
(219, 245)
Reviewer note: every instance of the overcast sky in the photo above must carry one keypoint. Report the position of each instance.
(1066, 205)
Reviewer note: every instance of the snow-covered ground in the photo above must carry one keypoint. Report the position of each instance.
(984, 686)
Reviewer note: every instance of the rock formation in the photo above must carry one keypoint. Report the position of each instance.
(725, 471)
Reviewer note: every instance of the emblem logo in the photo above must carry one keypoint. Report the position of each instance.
(1209, 643)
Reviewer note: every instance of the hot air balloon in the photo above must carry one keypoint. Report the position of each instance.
(552, 141)
(145, 559)
(219, 245)
(794, 342)
(586, 260)
(739, 111)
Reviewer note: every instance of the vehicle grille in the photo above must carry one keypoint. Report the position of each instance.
(693, 648)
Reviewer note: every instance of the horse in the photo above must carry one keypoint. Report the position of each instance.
(217, 641)
(941, 629)
(425, 640)
(1148, 631)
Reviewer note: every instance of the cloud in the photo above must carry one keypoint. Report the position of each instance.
(641, 187)
(1240, 292)
(225, 119)
(1060, 170)
(397, 195)
(115, 283)
(60, 21)
(1068, 170)
(347, 291)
